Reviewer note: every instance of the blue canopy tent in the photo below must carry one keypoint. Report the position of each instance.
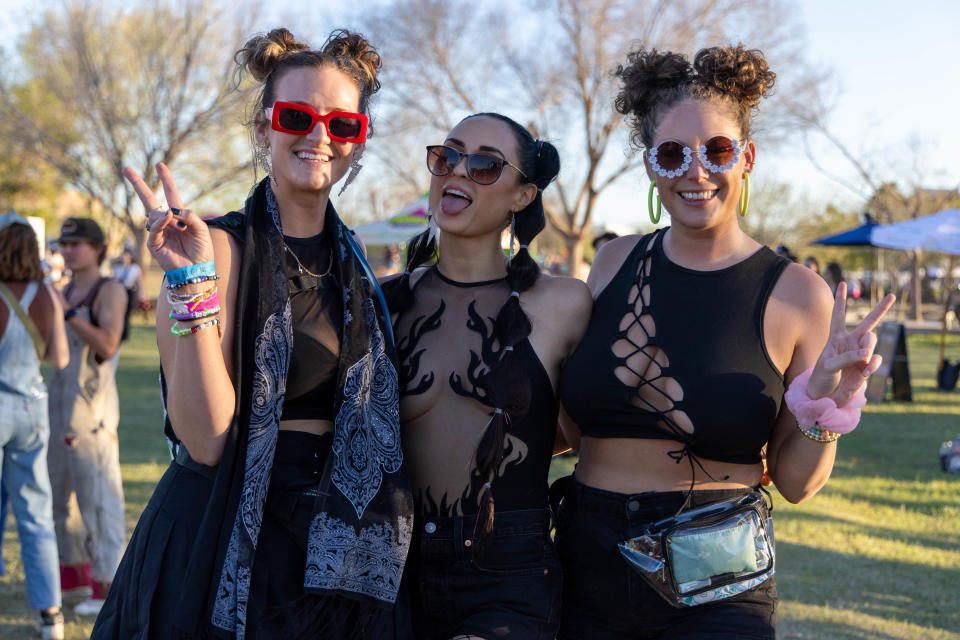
(857, 237)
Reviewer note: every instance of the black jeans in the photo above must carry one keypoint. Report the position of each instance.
(603, 597)
(508, 590)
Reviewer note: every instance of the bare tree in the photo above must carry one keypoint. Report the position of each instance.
(888, 200)
(552, 65)
(151, 83)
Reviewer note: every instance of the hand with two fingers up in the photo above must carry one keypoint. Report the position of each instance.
(848, 358)
(177, 236)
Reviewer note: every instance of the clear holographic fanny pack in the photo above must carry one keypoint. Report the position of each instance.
(708, 553)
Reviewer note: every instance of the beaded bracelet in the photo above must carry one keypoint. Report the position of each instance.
(195, 315)
(196, 280)
(817, 434)
(177, 276)
(179, 331)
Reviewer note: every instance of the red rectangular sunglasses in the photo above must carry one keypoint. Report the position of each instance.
(299, 119)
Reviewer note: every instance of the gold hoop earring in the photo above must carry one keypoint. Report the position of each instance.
(653, 218)
(744, 195)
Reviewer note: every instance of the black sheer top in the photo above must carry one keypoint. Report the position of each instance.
(679, 354)
(316, 315)
(445, 342)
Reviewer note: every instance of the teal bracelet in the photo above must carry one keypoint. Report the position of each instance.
(181, 275)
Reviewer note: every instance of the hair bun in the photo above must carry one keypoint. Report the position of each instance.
(647, 74)
(741, 72)
(346, 44)
(260, 54)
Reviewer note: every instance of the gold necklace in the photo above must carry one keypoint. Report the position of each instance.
(303, 269)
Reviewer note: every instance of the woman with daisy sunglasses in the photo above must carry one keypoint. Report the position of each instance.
(480, 339)
(286, 511)
(681, 380)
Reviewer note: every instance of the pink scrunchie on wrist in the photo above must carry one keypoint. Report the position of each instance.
(823, 411)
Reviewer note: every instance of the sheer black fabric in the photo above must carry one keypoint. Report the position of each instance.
(445, 344)
(317, 316)
(679, 354)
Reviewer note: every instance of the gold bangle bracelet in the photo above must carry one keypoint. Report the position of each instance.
(817, 434)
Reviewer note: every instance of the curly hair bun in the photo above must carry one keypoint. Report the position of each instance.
(646, 76)
(345, 44)
(260, 54)
(741, 72)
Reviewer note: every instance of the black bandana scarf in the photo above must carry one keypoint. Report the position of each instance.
(360, 532)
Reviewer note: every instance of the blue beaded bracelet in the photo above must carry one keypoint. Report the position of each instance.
(178, 276)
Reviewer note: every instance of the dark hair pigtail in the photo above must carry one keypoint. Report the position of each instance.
(509, 388)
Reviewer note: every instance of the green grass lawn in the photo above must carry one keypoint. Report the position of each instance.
(875, 555)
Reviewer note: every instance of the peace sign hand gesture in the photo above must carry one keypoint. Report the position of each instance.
(848, 358)
(175, 239)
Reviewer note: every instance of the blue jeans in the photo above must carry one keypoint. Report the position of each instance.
(24, 432)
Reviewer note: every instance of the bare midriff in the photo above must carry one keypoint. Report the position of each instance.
(636, 465)
(316, 427)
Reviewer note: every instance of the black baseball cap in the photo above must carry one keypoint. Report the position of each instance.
(76, 229)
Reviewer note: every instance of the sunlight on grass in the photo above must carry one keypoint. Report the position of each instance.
(874, 556)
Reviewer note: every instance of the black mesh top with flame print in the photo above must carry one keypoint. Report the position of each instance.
(673, 353)
(445, 344)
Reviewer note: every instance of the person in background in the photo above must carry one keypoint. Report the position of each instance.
(603, 239)
(84, 454)
(833, 274)
(811, 263)
(31, 328)
(128, 273)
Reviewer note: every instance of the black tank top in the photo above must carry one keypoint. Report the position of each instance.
(673, 353)
(445, 342)
(317, 317)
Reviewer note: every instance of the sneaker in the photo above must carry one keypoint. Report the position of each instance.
(50, 625)
(89, 607)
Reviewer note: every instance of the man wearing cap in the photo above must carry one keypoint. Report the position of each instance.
(84, 457)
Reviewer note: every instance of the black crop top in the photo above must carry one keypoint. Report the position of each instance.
(445, 342)
(316, 316)
(679, 354)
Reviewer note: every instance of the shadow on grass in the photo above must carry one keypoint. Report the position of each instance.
(895, 590)
(943, 541)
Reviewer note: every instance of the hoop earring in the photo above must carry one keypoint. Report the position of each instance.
(355, 167)
(513, 222)
(261, 158)
(744, 195)
(653, 218)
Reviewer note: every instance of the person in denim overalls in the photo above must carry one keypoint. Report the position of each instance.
(24, 424)
(84, 456)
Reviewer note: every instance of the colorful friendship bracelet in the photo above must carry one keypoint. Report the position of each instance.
(201, 302)
(195, 315)
(180, 332)
(817, 434)
(196, 280)
(190, 271)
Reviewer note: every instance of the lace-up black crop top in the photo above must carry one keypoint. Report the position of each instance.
(315, 306)
(445, 343)
(679, 354)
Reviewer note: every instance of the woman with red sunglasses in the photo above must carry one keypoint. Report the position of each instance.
(678, 386)
(286, 511)
(481, 339)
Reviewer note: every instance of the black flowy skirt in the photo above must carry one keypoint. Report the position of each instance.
(148, 584)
